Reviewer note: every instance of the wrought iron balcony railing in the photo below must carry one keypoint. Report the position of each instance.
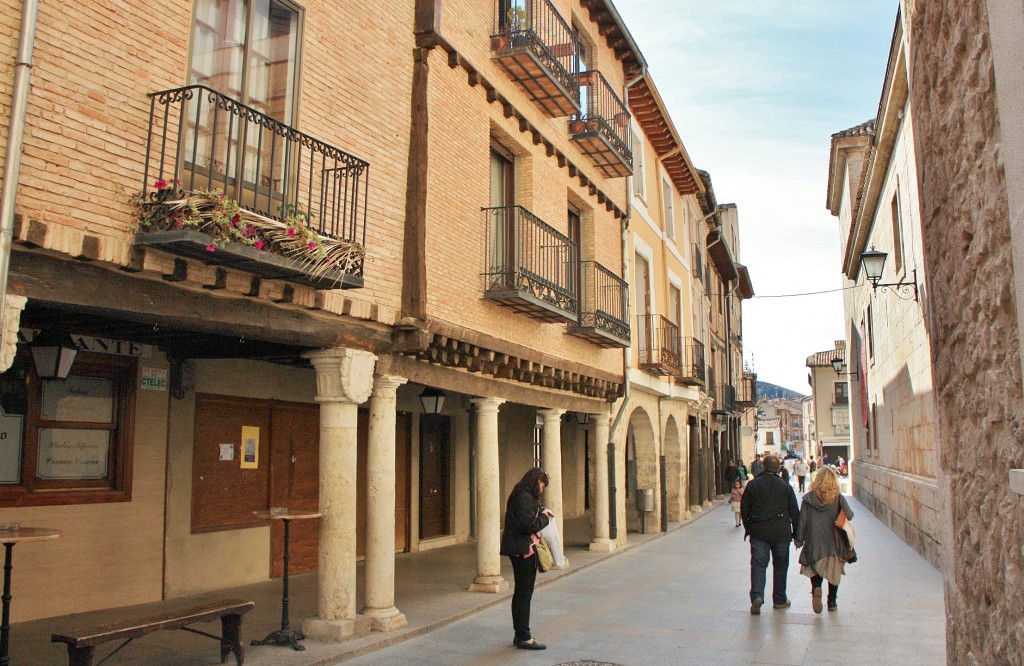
(530, 266)
(539, 50)
(693, 362)
(201, 140)
(727, 397)
(604, 306)
(602, 129)
(747, 395)
(658, 345)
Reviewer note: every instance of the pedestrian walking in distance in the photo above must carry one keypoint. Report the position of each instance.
(744, 474)
(815, 533)
(735, 499)
(731, 473)
(757, 466)
(524, 518)
(802, 470)
(770, 515)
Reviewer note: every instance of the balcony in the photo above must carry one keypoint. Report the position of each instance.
(538, 50)
(725, 399)
(604, 307)
(301, 203)
(530, 267)
(658, 346)
(693, 363)
(747, 395)
(602, 129)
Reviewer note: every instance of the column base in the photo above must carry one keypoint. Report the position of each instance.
(601, 546)
(695, 508)
(687, 516)
(385, 619)
(336, 631)
(706, 503)
(490, 584)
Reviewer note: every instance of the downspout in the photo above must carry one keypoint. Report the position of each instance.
(15, 142)
(627, 352)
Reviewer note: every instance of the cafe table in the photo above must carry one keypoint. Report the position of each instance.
(285, 635)
(9, 538)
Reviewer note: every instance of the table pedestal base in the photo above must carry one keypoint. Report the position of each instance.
(283, 637)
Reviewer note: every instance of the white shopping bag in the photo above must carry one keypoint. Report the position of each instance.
(554, 539)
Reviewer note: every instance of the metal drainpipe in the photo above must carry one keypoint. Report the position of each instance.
(15, 141)
(627, 355)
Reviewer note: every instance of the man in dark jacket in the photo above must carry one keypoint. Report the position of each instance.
(770, 514)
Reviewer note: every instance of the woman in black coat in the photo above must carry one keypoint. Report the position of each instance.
(524, 517)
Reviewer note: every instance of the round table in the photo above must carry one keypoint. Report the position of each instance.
(9, 538)
(285, 635)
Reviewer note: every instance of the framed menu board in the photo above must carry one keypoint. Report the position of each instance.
(81, 399)
(70, 453)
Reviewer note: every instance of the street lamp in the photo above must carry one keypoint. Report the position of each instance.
(837, 365)
(873, 262)
(432, 400)
(53, 353)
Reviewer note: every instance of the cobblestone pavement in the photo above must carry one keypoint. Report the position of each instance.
(683, 599)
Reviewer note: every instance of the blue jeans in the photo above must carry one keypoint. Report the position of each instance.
(759, 553)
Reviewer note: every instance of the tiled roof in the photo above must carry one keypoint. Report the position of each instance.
(824, 359)
(864, 129)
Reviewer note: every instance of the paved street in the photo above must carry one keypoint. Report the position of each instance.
(683, 599)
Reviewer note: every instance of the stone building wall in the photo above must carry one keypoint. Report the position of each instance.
(974, 327)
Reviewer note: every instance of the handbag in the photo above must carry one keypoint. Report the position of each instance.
(845, 538)
(545, 560)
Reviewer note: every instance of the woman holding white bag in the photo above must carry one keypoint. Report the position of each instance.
(816, 534)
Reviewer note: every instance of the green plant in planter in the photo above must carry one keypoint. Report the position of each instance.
(225, 221)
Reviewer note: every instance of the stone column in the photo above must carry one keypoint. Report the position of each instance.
(379, 567)
(602, 542)
(551, 460)
(344, 379)
(488, 500)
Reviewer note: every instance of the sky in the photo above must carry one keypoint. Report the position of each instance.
(756, 88)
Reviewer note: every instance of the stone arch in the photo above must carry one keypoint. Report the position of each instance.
(641, 470)
(675, 471)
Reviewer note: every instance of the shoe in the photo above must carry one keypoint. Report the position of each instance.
(785, 604)
(833, 606)
(531, 645)
(816, 600)
(755, 606)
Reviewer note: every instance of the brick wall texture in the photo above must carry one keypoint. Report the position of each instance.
(975, 349)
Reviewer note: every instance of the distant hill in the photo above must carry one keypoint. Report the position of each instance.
(766, 391)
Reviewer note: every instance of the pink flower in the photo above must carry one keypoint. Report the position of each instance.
(160, 184)
(312, 245)
(258, 244)
(250, 231)
(211, 247)
(236, 219)
(291, 232)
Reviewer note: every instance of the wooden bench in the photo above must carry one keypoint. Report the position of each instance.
(82, 642)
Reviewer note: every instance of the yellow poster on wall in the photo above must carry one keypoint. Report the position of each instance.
(250, 458)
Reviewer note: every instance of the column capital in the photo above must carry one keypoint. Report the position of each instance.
(487, 405)
(342, 374)
(11, 322)
(387, 384)
(550, 414)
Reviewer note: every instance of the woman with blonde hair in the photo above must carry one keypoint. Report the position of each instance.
(819, 559)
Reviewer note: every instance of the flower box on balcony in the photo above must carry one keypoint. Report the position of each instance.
(214, 229)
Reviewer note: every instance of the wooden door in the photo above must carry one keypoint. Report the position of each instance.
(435, 454)
(641, 281)
(403, 488)
(295, 483)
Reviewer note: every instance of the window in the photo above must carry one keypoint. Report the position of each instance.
(897, 230)
(246, 50)
(75, 435)
(503, 220)
(675, 304)
(841, 420)
(641, 290)
(639, 186)
(670, 223)
(842, 394)
(769, 438)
